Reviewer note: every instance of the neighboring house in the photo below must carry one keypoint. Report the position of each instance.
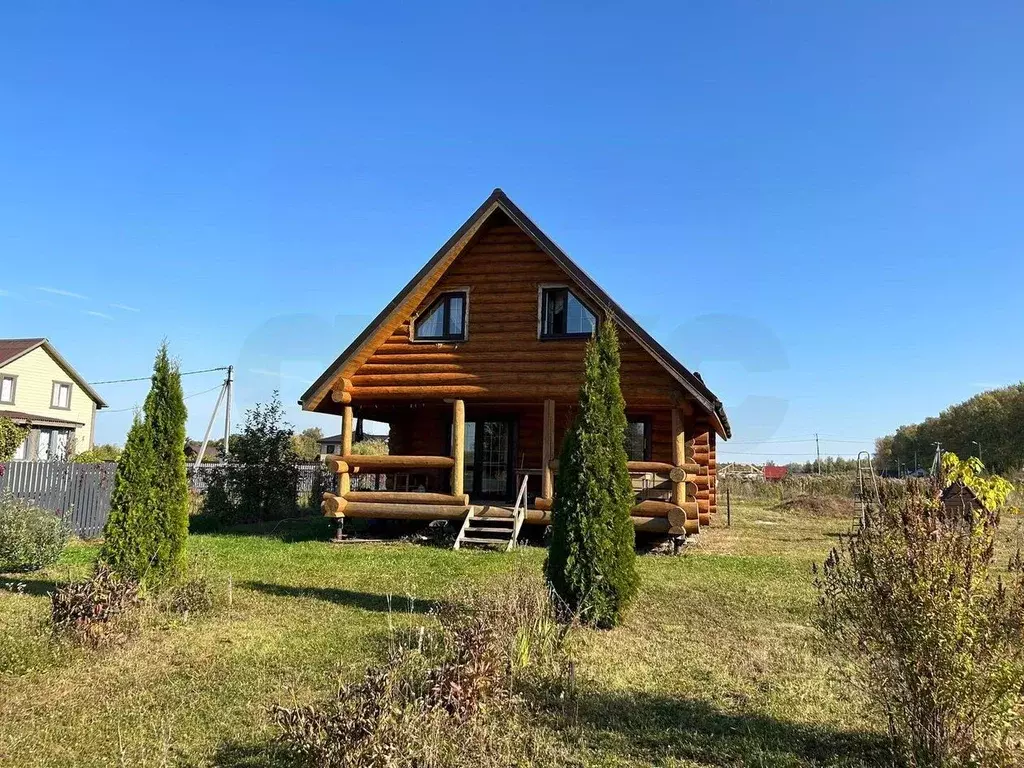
(331, 446)
(476, 366)
(40, 389)
(192, 447)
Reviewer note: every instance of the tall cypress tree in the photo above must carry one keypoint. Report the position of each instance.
(591, 562)
(165, 417)
(129, 535)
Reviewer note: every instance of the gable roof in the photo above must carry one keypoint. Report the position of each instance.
(499, 201)
(12, 349)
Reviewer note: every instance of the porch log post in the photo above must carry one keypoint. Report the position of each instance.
(678, 456)
(344, 479)
(548, 450)
(458, 446)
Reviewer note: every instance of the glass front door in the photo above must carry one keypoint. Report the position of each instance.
(488, 459)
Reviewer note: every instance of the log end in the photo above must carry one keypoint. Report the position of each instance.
(333, 506)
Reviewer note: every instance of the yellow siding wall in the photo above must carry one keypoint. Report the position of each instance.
(36, 373)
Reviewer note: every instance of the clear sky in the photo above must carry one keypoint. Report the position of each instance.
(819, 205)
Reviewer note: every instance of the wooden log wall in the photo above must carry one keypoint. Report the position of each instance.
(502, 357)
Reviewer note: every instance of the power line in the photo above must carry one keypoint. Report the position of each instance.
(147, 378)
(723, 451)
(186, 397)
(811, 439)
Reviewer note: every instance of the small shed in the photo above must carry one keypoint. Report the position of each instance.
(959, 499)
(775, 473)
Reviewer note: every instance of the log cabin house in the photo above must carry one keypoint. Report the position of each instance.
(476, 366)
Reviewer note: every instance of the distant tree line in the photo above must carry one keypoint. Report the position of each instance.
(995, 419)
(827, 465)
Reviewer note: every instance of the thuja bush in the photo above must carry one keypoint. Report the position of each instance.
(591, 561)
(450, 697)
(933, 631)
(30, 538)
(165, 416)
(147, 529)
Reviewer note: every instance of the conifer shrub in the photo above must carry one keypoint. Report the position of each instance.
(591, 563)
(130, 533)
(165, 415)
(146, 531)
(932, 632)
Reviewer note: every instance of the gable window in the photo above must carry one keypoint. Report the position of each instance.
(7, 385)
(564, 316)
(61, 396)
(445, 320)
(638, 440)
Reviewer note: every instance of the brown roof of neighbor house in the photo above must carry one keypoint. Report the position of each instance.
(12, 349)
(498, 200)
(45, 421)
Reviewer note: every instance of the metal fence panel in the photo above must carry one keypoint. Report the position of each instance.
(77, 493)
(80, 493)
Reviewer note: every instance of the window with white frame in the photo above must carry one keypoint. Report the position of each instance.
(61, 396)
(22, 452)
(7, 387)
(53, 444)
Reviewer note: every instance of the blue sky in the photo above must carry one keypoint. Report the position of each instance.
(817, 205)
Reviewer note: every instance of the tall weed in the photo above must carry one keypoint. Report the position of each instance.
(933, 630)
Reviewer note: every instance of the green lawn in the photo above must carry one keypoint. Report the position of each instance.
(717, 663)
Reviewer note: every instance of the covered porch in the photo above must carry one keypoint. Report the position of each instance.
(452, 459)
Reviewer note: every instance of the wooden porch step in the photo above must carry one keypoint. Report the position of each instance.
(481, 529)
(493, 531)
(491, 542)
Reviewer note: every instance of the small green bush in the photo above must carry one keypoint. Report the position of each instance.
(11, 436)
(100, 611)
(30, 538)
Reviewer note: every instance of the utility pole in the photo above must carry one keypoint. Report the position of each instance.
(817, 451)
(937, 461)
(209, 427)
(228, 385)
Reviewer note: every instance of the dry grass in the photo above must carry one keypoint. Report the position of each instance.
(717, 664)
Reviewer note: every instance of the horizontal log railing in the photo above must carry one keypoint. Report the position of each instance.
(371, 463)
